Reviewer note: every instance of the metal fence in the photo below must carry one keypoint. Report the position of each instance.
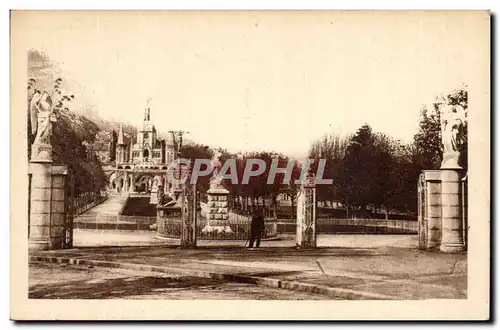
(358, 226)
(240, 229)
(171, 227)
(86, 201)
(267, 212)
(105, 221)
(240, 226)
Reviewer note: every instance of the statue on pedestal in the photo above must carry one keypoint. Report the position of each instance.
(453, 119)
(42, 116)
(154, 192)
(215, 180)
(218, 207)
(42, 109)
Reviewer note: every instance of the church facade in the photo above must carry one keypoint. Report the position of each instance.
(147, 148)
(140, 162)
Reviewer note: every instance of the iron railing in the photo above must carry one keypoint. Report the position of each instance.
(86, 201)
(240, 225)
(105, 221)
(170, 226)
(358, 226)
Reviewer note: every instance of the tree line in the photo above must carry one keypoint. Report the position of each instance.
(371, 171)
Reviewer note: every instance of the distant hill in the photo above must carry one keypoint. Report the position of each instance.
(46, 72)
(77, 126)
(69, 132)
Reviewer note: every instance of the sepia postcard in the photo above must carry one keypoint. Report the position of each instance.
(250, 165)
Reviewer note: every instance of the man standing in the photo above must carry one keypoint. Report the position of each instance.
(256, 228)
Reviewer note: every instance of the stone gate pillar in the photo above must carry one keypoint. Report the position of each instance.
(306, 215)
(422, 224)
(218, 210)
(47, 213)
(47, 205)
(188, 218)
(453, 119)
(452, 227)
(40, 200)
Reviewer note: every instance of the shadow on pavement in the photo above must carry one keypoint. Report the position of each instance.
(119, 287)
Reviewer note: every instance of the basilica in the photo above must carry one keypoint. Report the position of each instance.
(139, 163)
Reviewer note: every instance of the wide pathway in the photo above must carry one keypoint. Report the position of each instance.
(110, 208)
(94, 238)
(345, 272)
(59, 281)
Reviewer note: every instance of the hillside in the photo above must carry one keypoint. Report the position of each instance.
(69, 132)
(77, 125)
(41, 68)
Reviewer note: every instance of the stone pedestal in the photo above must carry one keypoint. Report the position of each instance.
(443, 208)
(452, 228)
(451, 161)
(41, 153)
(47, 206)
(306, 217)
(218, 210)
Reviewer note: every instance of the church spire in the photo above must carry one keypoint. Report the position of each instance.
(147, 111)
(121, 138)
(146, 125)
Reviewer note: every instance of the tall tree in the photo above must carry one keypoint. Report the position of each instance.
(428, 139)
(331, 148)
(385, 176)
(292, 189)
(195, 151)
(360, 160)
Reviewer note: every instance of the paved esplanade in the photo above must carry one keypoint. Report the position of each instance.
(346, 273)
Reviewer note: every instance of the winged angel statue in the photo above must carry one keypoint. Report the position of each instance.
(42, 116)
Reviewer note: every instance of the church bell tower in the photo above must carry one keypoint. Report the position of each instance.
(120, 147)
(148, 134)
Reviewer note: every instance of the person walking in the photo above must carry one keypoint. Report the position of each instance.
(256, 228)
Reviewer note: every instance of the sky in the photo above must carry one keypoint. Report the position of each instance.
(259, 80)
